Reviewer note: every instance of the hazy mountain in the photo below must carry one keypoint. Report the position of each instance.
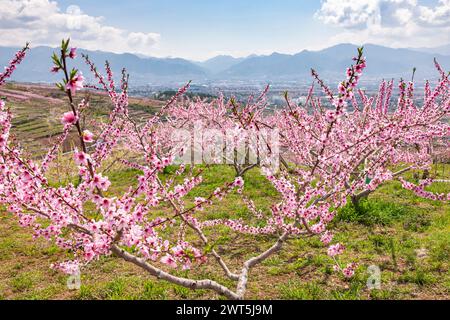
(36, 66)
(258, 66)
(444, 50)
(330, 63)
(219, 63)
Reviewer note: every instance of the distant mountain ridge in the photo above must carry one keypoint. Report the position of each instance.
(219, 63)
(36, 66)
(443, 50)
(330, 62)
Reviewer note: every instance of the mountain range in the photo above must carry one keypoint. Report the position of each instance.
(382, 62)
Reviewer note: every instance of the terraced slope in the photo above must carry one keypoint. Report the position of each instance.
(37, 111)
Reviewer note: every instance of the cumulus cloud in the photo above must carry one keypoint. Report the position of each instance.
(44, 23)
(439, 16)
(400, 23)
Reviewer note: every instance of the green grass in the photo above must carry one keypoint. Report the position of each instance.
(22, 282)
(375, 212)
(407, 237)
(389, 230)
(299, 291)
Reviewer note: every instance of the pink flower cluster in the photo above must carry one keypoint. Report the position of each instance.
(349, 270)
(339, 153)
(18, 58)
(68, 118)
(76, 83)
(420, 191)
(335, 249)
(332, 152)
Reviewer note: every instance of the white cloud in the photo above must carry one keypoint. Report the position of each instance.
(439, 16)
(398, 23)
(42, 22)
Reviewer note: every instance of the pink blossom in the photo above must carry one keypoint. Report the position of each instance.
(69, 118)
(101, 182)
(239, 182)
(335, 249)
(342, 89)
(349, 270)
(199, 202)
(73, 53)
(68, 267)
(88, 136)
(166, 161)
(169, 260)
(330, 115)
(326, 237)
(318, 227)
(3, 140)
(18, 58)
(80, 157)
(75, 84)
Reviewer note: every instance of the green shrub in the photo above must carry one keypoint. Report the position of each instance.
(372, 212)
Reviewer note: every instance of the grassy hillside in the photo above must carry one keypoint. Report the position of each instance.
(38, 109)
(407, 237)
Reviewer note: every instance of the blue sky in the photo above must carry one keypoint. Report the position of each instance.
(207, 27)
(199, 29)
